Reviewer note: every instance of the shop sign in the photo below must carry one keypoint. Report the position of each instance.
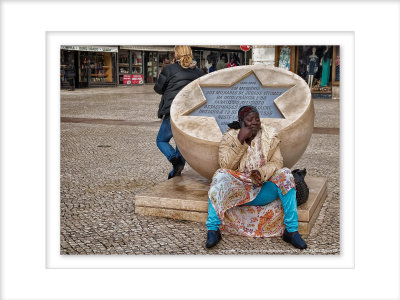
(137, 79)
(245, 47)
(132, 79)
(148, 48)
(127, 79)
(89, 48)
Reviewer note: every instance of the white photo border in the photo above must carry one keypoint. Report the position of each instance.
(27, 30)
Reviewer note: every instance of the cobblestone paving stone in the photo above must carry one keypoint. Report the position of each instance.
(104, 166)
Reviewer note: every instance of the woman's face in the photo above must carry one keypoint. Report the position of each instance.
(252, 120)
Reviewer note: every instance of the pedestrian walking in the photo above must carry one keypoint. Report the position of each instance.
(172, 79)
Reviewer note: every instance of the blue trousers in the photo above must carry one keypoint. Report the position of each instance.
(163, 138)
(268, 193)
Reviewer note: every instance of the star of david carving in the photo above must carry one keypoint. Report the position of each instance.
(223, 102)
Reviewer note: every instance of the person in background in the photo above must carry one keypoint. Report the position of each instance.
(172, 79)
(164, 63)
(193, 64)
(232, 62)
(237, 60)
(221, 63)
(203, 66)
(212, 68)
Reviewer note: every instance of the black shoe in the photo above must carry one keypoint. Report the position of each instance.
(295, 239)
(213, 237)
(178, 164)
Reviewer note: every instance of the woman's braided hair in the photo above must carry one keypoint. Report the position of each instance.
(183, 55)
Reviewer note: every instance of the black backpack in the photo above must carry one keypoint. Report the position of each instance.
(302, 190)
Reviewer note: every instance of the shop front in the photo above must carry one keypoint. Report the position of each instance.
(94, 66)
(207, 56)
(68, 67)
(130, 65)
(318, 65)
(142, 64)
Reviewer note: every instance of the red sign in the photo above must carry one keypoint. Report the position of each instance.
(137, 79)
(133, 79)
(245, 48)
(127, 79)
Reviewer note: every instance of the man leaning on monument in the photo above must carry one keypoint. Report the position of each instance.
(244, 191)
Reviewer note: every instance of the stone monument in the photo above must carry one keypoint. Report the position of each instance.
(199, 117)
(200, 112)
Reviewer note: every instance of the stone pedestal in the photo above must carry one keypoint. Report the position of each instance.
(186, 198)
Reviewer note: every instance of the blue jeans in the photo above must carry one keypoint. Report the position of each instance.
(268, 193)
(163, 138)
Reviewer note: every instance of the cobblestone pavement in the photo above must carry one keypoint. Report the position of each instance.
(104, 164)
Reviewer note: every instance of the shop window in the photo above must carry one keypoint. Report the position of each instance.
(137, 67)
(137, 64)
(151, 64)
(197, 57)
(317, 68)
(100, 67)
(123, 66)
(66, 60)
(84, 67)
(130, 67)
(285, 58)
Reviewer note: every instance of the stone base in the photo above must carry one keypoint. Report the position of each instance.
(186, 198)
(321, 95)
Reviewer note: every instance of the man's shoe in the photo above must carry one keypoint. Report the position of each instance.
(295, 239)
(213, 237)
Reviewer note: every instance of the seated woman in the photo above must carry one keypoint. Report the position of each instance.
(250, 179)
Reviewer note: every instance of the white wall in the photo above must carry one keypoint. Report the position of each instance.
(263, 55)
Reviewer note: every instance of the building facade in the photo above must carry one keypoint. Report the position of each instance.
(131, 65)
(92, 66)
(324, 76)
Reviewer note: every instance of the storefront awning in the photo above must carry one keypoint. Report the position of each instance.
(89, 48)
(148, 48)
(219, 47)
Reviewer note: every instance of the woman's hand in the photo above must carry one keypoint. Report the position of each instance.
(256, 177)
(244, 134)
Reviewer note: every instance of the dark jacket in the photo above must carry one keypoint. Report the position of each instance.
(173, 78)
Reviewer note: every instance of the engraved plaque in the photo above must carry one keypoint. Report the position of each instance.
(223, 103)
